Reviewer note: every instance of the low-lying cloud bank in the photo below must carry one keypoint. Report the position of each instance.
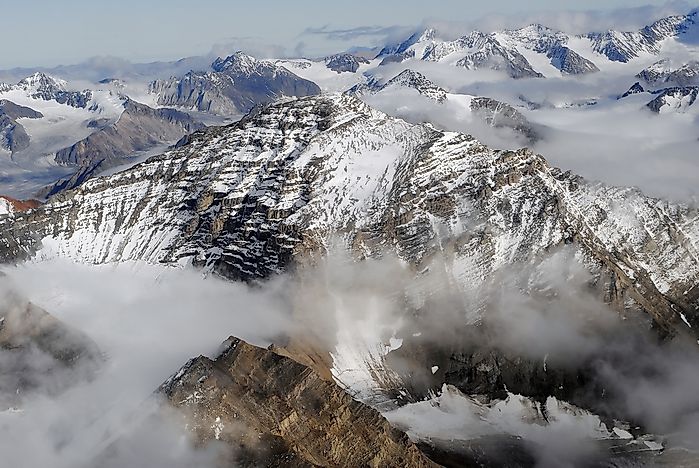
(581, 124)
(149, 320)
(548, 314)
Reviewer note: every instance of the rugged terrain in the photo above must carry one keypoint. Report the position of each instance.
(234, 85)
(247, 199)
(425, 272)
(278, 188)
(536, 51)
(139, 128)
(302, 420)
(13, 136)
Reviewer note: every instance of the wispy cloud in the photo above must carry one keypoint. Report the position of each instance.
(350, 34)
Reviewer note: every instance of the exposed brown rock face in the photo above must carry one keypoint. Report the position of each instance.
(277, 412)
(21, 205)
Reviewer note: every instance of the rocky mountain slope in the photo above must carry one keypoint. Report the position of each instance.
(405, 79)
(340, 63)
(246, 200)
(663, 74)
(273, 411)
(139, 128)
(233, 86)
(13, 136)
(623, 46)
(47, 88)
(499, 114)
(678, 99)
(14, 111)
(487, 110)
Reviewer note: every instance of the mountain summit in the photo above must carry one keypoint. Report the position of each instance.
(235, 85)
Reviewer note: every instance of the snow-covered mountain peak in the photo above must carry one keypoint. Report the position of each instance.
(235, 85)
(42, 83)
(536, 37)
(667, 72)
(428, 34)
(48, 88)
(419, 37)
(412, 79)
(238, 63)
(537, 50)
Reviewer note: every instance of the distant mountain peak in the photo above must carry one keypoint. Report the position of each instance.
(427, 35)
(235, 85)
(406, 79)
(665, 72)
(239, 62)
(344, 62)
(48, 88)
(416, 80)
(40, 81)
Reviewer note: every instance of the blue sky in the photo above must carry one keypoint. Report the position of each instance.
(51, 32)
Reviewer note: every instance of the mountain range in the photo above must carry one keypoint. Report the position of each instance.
(536, 50)
(445, 302)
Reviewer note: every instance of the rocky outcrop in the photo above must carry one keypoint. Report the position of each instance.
(635, 88)
(42, 86)
(341, 63)
(13, 136)
(10, 205)
(673, 99)
(569, 62)
(273, 411)
(139, 128)
(234, 86)
(499, 114)
(662, 74)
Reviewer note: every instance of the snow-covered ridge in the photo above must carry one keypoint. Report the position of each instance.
(406, 79)
(536, 50)
(665, 73)
(246, 200)
(43, 86)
